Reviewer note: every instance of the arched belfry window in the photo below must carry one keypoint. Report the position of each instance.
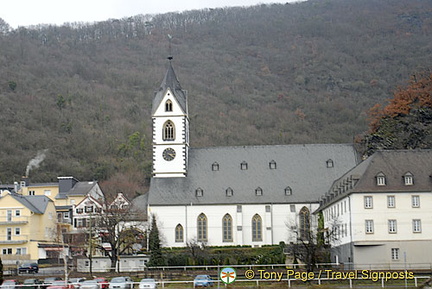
(215, 166)
(288, 191)
(256, 228)
(329, 163)
(168, 105)
(179, 233)
(227, 228)
(304, 224)
(202, 228)
(168, 131)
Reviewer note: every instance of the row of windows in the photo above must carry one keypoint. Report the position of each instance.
(88, 209)
(18, 251)
(336, 210)
(227, 227)
(272, 165)
(10, 213)
(9, 231)
(391, 201)
(381, 180)
(33, 193)
(392, 226)
(229, 192)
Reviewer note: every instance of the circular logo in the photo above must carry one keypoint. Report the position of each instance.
(228, 275)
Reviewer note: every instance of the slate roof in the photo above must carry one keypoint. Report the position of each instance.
(36, 204)
(170, 81)
(394, 164)
(79, 189)
(301, 167)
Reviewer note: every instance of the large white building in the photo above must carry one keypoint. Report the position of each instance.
(247, 195)
(381, 212)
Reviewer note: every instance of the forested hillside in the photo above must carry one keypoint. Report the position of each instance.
(79, 95)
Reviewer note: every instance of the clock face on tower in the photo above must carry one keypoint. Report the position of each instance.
(169, 154)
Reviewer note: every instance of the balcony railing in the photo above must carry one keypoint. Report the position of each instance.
(4, 220)
(14, 239)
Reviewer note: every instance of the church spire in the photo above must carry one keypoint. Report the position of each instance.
(170, 128)
(170, 82)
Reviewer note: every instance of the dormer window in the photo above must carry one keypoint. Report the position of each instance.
(272, 165)
(215, 166)
(258, 191)
(168, 105)
(408, 179)
(168, 131)
(199, 192)
(244, 166)
(288, 191)
(229, 192)
(329, 163)
(380, 179)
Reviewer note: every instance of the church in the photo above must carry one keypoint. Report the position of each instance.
(230, 196)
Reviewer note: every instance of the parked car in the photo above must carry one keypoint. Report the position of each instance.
(28, 268)
(147, 284)
(121, 283)
(31, 284)
(49, 280)
(203, 281)
(61, 284)
(90, 284)
(77, 282)
(10, 284)
(103, 282)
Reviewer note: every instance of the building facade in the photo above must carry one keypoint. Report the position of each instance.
(381, 211)
(26, 223)
(225, 196)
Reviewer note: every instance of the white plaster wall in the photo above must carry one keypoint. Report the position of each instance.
(403, 212)
(274, 226)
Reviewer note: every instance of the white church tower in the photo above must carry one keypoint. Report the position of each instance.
(170, 128)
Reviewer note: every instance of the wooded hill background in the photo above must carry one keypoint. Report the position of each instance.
(80, 94)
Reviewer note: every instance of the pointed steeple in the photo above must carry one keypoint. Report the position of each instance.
(170, 82)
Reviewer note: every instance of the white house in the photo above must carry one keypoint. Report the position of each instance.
(382, 211)
(246, 195)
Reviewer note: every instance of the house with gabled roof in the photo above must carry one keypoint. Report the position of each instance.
(27, 228)
(84, 211)
(246, 195)
(120, 202)
(382, 211)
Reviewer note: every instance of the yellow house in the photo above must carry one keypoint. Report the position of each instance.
(26, 222)
(65, 194)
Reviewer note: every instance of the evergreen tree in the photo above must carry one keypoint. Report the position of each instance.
(156, 257)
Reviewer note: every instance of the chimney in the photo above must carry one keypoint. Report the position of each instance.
(66, 184)
(25, 181)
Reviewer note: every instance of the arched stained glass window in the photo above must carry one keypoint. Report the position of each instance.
(179, 233)
(304, 223)
(227, 228)
(202, 228)
(256, 228)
